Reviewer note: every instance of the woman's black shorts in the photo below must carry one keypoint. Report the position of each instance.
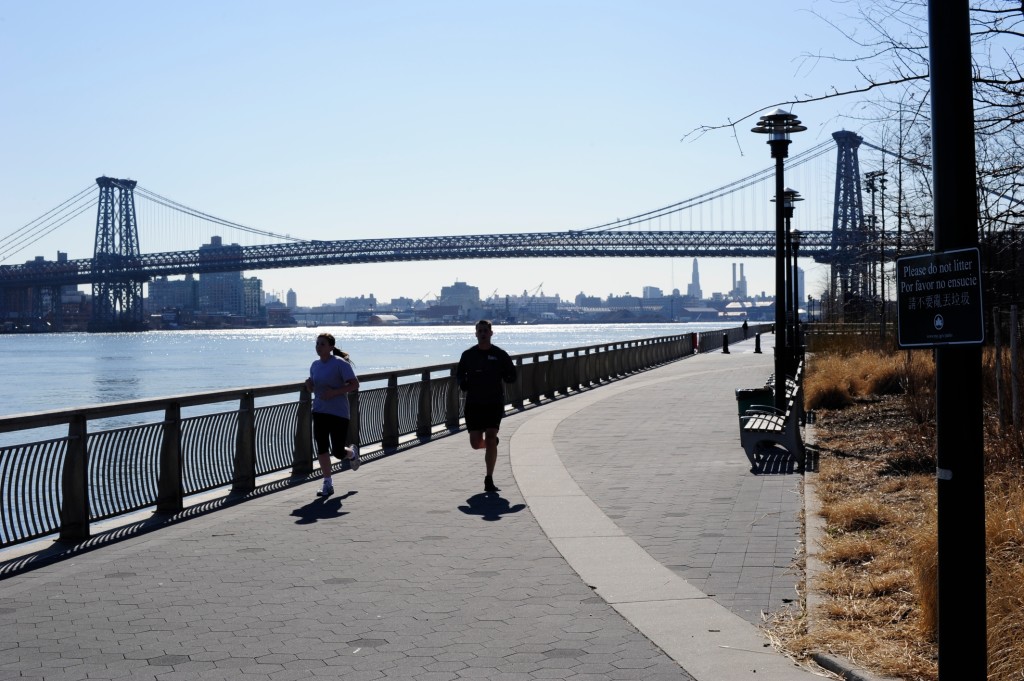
(329, 433)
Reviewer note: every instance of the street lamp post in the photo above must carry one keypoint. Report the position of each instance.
(876, 183)
(790, 197)
(778, 125)
(797, 340)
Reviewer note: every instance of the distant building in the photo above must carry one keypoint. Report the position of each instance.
(362, 303)
(165, 294)
(461, 294)
(291, 299)
(221, 291)
(739, 286)
(652, 292)
(693, 288)
(401, 303)
(252, 294)
(626, 302)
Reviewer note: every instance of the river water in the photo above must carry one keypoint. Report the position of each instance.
(56, 371)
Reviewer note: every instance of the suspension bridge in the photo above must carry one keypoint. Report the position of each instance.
(118, 269)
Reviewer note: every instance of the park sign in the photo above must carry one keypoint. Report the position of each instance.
(939, 298)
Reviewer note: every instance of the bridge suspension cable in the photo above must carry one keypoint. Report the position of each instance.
(37, 229)
(743, 183)
(180, 207)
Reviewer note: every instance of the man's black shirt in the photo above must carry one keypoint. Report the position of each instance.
(481, 373)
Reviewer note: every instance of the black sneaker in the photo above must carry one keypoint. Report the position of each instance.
(489, 485)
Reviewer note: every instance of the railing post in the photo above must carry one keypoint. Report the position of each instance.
(452, 403)
(74, 509)
(389, 431)
(355, 416)
(170, 493)
(425, 415)
(604, 364)
(575, 382)
(586, 369)
(302, 455)
(538, 384)
(553, 381)
(245, 446)
(564, 372)
(517, 400)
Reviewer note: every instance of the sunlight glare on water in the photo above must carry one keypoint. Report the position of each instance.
(56, 371)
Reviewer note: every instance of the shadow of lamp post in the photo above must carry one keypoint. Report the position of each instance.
(779, 125)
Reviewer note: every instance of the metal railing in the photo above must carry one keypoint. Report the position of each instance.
(62, 484)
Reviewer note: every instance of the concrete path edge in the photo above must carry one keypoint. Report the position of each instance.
(705, 638)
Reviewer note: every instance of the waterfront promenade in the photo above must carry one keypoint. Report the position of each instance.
(629, 541)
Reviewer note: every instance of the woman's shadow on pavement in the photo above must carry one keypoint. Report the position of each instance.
(321, 509)
(489, 506)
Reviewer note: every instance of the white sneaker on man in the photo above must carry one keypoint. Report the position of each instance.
(353, 458)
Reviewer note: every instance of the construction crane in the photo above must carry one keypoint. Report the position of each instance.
(524, 309)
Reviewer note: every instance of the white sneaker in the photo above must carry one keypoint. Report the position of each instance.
(327, 490)
(353, 459)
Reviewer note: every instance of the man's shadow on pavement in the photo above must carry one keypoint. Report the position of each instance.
(321, 509)
(490, 506)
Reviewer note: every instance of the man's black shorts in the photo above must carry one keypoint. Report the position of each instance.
(483, 416)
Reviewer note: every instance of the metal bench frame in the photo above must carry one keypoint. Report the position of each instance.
(763, 424)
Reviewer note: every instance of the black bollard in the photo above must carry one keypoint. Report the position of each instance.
(725, 344)
(757, 344)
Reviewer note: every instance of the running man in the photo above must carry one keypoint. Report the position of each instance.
(482, 369)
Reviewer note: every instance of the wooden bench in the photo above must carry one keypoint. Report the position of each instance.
(760, 425)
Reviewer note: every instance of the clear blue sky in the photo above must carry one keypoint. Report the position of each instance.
(338, 120)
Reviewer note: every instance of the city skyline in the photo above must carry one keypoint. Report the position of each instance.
(753, 291)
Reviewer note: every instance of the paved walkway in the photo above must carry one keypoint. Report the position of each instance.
(629, 541)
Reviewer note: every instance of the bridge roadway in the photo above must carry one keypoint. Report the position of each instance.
(819, 245)
(629, 541)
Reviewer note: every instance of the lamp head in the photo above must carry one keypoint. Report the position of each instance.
(778, 125)
(789, 198)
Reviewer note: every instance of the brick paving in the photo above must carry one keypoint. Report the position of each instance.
(410, 572)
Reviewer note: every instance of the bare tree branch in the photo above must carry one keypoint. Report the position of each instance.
(696, 133)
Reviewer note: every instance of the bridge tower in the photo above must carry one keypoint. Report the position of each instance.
(849, 233)
(117, 289)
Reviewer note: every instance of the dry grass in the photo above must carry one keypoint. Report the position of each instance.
(876, 482)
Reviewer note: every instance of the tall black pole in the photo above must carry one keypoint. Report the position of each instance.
(794, 240)
(958, 420)
(781, 352)
(790, 329)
